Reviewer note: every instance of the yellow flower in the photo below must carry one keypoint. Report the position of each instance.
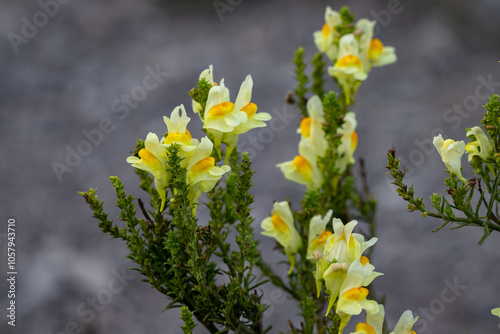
(348, 69)
(345, 246)
(451, 153)
(177, 133)
(348, 142)
(151, 160)
(317, 234)
(481, 147)
(281, 227)
(243, 103)
(405, 323)
(220, 113)
(312, 127)
(303, 168)
(364, 28)
(381, 55)
(352, 296)
(373, 51)
(325, 38)
(202, 174)
(221, 118)
(374, 323)
(252, 120)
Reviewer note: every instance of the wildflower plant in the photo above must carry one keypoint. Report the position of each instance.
(470, 200)
(213, 269)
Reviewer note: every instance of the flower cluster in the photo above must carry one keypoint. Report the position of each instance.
(353, 52)
(340, 265)
(451, 152)
(225, 120)
(305, 168)
(202, 173)
(345, 272)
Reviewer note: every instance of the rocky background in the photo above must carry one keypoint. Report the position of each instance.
(72, 74)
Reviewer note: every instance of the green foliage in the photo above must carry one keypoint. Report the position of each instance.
(200, 94)
(346, 15)
(176, 255)
(210, 269)
(187, 318)
(461, 201)
(317, 75)
(302, 80)
(347, 19)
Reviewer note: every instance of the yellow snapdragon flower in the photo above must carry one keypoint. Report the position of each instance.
(202, 174)
(179, 134)
(303, 169)
(251, 121)
(244, 103)
(373, 51)
(221, 117)
(325, 38)
(481, 147)
(345, 246)
(451, 153)
(348, 69)
(220, 113)
(318, 234)
(312, 127)
(348, 142)
(281, 227)
(405, 323)
(352, 297)
(151, 160)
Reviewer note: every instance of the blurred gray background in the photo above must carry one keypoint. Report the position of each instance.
(77, 68)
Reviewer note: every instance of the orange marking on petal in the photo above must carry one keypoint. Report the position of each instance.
(364, 260)
(279, 224)
(149, 159)
(203, 165)
(348, 60)
(221, 109)
(376, 48)
(354, 141)
(321, 240)
(250, 109)
(357, 294)
(305, 127)
(365, 328)
(325, 31)
(303, 166)
(175, 137)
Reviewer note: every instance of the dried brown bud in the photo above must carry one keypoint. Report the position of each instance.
(490, 127)
(289, 98)
(472, 182)
(392, 151)
(451, 191)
